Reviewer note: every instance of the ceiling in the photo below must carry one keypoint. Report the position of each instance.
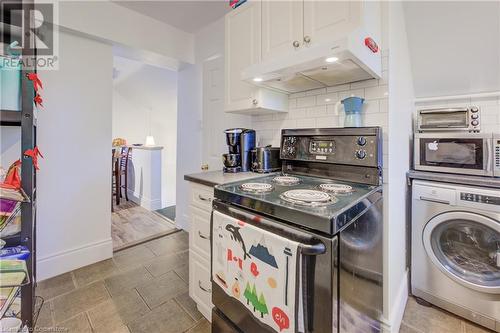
(189, 16)
(454, 46)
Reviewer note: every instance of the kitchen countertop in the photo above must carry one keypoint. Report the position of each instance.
(455, 179)
(212, 178)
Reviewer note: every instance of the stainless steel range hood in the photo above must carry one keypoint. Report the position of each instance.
(350, 61)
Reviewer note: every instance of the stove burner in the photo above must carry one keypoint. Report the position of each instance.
(257, 187)
(336, 188)
(286, 180)
(311, 198)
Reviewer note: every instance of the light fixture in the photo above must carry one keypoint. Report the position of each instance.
(327, 99)
(150, 141)
(257, 79)
(331, 59)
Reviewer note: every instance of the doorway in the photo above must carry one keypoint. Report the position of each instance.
(144, 131)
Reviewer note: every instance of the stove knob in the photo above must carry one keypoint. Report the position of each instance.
(474, 109)
(474, 116)
(361, 154)
(361, 141)
(475, 123)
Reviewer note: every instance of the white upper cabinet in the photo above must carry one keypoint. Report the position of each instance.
(282, 28)
(242, 49)
(326, 21)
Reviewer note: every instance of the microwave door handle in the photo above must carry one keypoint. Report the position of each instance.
(488, 160)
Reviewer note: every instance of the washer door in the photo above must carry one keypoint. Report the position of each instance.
(466, 247)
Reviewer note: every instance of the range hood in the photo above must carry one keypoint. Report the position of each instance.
(346, 60)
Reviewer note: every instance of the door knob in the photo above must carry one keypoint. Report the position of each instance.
(296, 43)
(307, 39)
(255, 102)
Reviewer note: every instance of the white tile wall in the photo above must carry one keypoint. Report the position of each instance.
(490, 110)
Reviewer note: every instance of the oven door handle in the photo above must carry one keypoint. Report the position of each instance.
(312, 250)
(308, 246)
(489, 153)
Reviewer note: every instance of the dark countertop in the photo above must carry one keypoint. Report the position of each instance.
(212, 178)
(454, 179)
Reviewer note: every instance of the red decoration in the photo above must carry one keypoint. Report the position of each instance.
(280, 318)
(37, 83)
(230, 257)
(13, 179)
(254, 269)
(38, 100)
(34, 153)
(257, 219)
(371, 44)
(241, 223)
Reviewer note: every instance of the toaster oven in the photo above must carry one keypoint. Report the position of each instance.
(449, 119)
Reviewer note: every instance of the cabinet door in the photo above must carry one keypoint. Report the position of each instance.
(242, 49)
(282, 26)
(199, 232)
(326, 21)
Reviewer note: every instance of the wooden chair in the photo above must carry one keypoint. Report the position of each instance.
(126, 156)
(115, 179)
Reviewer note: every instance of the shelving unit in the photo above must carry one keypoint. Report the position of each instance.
(25, 119)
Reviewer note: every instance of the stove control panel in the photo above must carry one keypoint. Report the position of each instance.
(363, 150)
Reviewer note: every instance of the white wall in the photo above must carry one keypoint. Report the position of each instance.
(108, 21)
(74, 134)
(454, 46)
(401, 110)
(145, 96)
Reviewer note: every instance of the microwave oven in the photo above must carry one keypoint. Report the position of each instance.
(449, 119)
(460, 152)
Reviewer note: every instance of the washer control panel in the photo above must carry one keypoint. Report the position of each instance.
(480, 198)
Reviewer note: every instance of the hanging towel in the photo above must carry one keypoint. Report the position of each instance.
(260, 269)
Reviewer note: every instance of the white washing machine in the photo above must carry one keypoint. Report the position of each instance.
(455, 251)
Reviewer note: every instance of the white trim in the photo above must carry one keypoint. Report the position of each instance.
(205, 311)
(74, 258)
(144, 201)
(398, 310)
(452, 97)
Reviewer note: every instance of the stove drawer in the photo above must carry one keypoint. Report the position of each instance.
(202, 197)
(200, 285)
(199, 236)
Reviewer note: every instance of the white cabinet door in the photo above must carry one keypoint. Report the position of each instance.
(328, 20)
(282, 26)
(242, 49)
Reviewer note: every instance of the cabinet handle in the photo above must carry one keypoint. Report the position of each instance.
(255, 102)
(202, 235)
(204, 289)
(296, 43)
(202, 198)
(307, 39)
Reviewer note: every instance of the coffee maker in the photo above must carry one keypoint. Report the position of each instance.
(240, 142)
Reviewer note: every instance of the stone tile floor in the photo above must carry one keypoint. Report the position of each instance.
(142, 289)
(145, 289)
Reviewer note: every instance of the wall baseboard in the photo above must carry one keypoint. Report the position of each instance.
(398, 310)
(143, 201)
(72, 259)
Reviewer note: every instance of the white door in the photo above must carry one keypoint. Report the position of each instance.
(326, 21)
(213, 103)
(242, 49)
(282, 27)
(215, 120)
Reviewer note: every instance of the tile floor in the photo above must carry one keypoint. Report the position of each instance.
(142, 289)
(145, 289)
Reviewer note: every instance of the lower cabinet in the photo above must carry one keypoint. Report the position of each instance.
(200, 284)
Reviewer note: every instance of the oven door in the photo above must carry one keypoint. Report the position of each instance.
(319, 278)
(469, 153)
